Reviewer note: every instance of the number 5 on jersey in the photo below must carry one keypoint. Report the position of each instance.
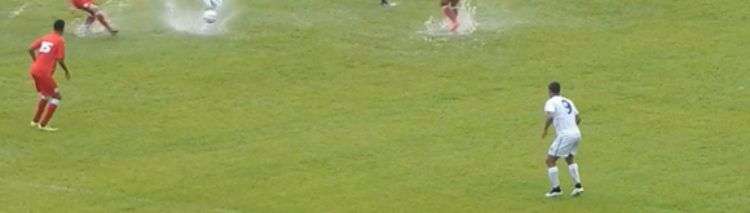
(46, 47)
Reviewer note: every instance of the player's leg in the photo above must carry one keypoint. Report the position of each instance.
(552, 171)
(97, 14)
(40, 107)
(39, 84)
(552, 174)
(212, 4)
(456, 5)
(48, 87)
(54, 102)
(448, 12)
(452, 15)
(574, 175)
(209, 4)
(90, 19)
(573, 168)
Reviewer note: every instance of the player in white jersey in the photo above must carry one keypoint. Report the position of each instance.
(561, 112)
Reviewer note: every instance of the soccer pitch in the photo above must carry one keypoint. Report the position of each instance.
(345, 106)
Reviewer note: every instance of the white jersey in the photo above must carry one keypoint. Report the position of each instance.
(563, 113)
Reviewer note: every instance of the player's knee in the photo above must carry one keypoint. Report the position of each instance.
(550, 161)
(570, 159)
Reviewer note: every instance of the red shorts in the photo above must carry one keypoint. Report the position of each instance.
(83, 4)
(45, 85)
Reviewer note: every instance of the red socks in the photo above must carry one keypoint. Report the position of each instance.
(51, 107)
(40, 110)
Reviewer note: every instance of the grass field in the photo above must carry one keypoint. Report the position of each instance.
(343, 106)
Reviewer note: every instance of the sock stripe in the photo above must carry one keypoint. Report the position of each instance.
(54, 101)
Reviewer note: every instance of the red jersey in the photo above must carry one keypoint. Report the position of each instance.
(49, 49)
(80, 4)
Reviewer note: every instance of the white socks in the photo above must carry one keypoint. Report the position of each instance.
(552, 173)
(573, 168)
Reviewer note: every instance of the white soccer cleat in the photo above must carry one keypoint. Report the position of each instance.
(388, 4)
(33, 124)
(554, 193)
(46, 128)
(577, 191)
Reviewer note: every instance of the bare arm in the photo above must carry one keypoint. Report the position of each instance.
(64, 67)
(547, 123)
(32, 53)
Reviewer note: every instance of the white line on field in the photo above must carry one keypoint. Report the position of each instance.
(18, 11)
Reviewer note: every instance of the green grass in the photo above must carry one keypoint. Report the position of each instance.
(341, 106)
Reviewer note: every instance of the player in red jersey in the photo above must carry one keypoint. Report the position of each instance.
(94, 14)
(450, 10)
(46, 52)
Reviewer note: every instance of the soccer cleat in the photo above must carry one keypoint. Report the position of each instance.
(554, 192)
(33, 124)
(46, 128)
(578, 190)
(387, 4)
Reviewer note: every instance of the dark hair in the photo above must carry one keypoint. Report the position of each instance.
(59, 25)
(554, 87)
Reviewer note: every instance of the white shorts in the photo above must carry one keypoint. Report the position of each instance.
(564, 145)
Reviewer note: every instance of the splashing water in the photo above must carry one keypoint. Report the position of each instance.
(94, 30)
(466, 19)
(191, 20)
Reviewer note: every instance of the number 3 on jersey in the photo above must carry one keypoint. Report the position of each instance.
(46, 47)
(567, 106)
